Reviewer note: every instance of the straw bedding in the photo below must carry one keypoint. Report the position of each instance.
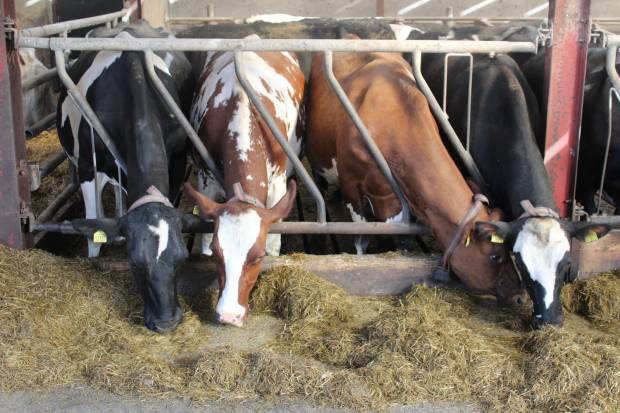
(38, 149)
(63, 322)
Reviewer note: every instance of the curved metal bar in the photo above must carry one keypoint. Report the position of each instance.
(89, 114)
(469, 88)
(372, 147)
(610, 65)
(56, 28)
(282, 140)
(612, 92)
(178, 113)
(442, 118)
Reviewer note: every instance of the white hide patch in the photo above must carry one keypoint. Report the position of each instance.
(396, 218)
(267, 83)
(542, 244)
(161, 231)
(275, 18)
(331, 174)
(236, 235)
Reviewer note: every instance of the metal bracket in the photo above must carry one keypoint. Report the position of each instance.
(34, 173)
(26, 216)
(545, 35)
(10, 29)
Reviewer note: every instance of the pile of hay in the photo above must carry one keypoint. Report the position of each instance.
(63, 322)
(38, 149)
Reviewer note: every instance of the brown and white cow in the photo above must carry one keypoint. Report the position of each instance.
(382, 89)
(251, 160)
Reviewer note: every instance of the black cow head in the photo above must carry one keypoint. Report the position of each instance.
(155, 249)
(541, 251)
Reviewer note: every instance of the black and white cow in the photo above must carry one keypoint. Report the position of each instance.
(153, 145)
(505, 123)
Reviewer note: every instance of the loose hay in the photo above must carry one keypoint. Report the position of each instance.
(64, 323)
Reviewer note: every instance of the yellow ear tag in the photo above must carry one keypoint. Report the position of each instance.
(196, 211)
(100, 237)
(496, 239)
(468, 239)
(591, 236)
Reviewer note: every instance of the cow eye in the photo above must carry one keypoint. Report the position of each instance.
(496, 258)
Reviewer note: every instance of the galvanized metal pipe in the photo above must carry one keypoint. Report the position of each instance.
(464, 156)
(300, 170)
(178, 113)
(39, 79)
(264, 45)
(42, 124)
(469, 89)
(372, 147)
(610, 119)
(51, 163)
(89, 114)
(56, 28)
(57, 202)
(341, 228)
(610, 63)
(613, 40)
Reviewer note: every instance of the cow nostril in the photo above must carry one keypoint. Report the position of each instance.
(519, 301)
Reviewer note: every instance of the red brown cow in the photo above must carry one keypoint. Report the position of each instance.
(254, 166)
(382, 89)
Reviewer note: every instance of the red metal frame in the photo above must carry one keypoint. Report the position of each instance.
(565, 75)
(14, 180)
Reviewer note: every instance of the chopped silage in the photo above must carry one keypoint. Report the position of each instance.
(64, 322)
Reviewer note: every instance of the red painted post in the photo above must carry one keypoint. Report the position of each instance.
(380, 8)
(565, 67)
(14, 184)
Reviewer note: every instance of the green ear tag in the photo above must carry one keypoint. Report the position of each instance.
(591, 236)
(196, 211)
(100, 237)
(496, 239)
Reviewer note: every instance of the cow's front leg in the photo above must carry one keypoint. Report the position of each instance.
(209, 187)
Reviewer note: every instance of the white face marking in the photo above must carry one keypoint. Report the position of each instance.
(331, 174)
(396, 218)
(161, 231)
(401, 31)
(249, 178)
(262, 184)
(354, 215)
(275, 192)
(542, 243)
(236, 235)
(267, 83)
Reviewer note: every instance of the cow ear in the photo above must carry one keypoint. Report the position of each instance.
(283, 207)
(496, 231)
(208, 208)
(589, 231)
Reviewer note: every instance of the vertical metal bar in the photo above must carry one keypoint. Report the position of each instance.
(469, 89)
(89, 114)
(464, 156)
(372, 147)
(14, 177)
(610, 65)
(282, 140)
(565, 66)
(612, 92)
(178, 113)
(380, 8)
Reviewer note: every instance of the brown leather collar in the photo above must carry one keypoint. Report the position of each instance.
(478, 202)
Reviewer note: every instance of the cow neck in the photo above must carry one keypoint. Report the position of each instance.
(251, 173)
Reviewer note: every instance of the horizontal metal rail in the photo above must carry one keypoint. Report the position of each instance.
(82, 104)
(341, 228)
(371, 146)
(300, 170)
(67, 26)
(263, 45)
(39, 79)
(51, 163)
(442, 118)
(57, 203)
(178, 113)
(41, 125)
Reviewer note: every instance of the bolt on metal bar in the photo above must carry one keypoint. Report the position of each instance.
(372, 147)
(282, 140)
(56, 28)
(612, 92)
(469, 88)
(265, 45)
(464, 156)
(89, 114)
(178, 113)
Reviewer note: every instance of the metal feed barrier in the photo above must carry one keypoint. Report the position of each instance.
(147, 45)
